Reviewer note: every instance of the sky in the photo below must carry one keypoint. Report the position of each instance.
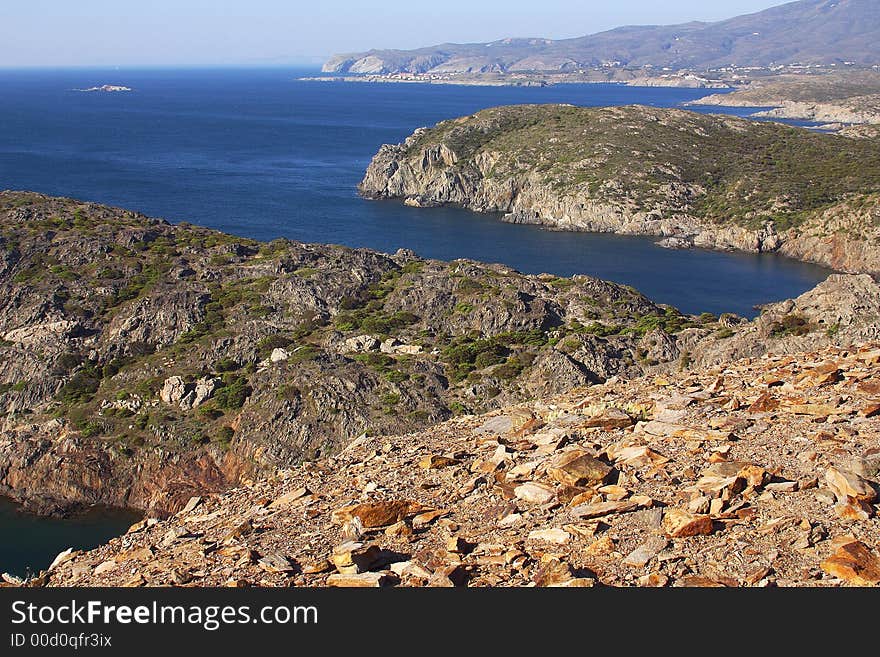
(58, 33)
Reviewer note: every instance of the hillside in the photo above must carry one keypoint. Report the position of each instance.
(704, 180)
(164, 360)
(755, 473)
(805, 32)
(832, 98)
(142, 363)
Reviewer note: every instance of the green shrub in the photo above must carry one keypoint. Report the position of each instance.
(80, 388)
(234, 392)
(226, 364)
(396, 376)
(793, 324)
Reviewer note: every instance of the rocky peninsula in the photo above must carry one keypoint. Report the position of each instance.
(832, 98)
(694, 180)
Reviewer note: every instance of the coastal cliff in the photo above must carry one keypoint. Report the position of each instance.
(691, 179)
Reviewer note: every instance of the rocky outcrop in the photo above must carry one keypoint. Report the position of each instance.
(506, 167)
(261, 356)
(177, 359)
(761, 472)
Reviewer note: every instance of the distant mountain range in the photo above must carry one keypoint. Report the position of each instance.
(806, 32)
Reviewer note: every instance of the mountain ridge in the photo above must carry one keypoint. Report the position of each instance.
(805, 32)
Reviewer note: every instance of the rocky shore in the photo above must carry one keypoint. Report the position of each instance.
(642, 171)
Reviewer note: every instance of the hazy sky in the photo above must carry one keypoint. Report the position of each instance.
(260, 32)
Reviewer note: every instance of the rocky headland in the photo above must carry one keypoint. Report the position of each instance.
(694, 180)
(831, 98)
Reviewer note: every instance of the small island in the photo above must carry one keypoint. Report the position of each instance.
(108, 88)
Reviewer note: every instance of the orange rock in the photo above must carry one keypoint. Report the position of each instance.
(679, 523)
(854, 563)
(578, 467)
(376, 514)
(435, 462)
(764, 404)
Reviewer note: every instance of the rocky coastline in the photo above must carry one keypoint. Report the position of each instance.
(426, 170)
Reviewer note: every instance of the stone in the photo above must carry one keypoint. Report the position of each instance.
(754, 475)
(638, 456)
(814, 410)
(846, 484)
(353, 529)
(601, 547)
(105, 567)
(601, 509)
(204, 390)
(552, 571)
(449, 576)
(699, 504)
(502, 424)
(870, 410)
(238, 532)
(640, 557)
(191, 505)
(854, 563)
(358, 580)
(173, 390)
(764, 404)
(62, 558)
(289, 498)
(458, 545)
(510, 520)
(402, 529)
(275, 562)
(435, 462)
(535, 493)
(678, 523)
(375, 514)
(361, 343)
(278, 354)
(425, 518)
(609, 418)
(854, 510)
(782, 487)
(555, 535)
(353, 557)
(614, 493)
(410, 569)
(141, 525)
(867, 466)
(577, 467)
(653, 580)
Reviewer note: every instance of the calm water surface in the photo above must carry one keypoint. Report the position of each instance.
(29, 543)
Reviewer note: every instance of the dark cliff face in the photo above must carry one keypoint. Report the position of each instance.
(141, 362)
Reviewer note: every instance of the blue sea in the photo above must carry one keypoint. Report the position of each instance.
(260, 154)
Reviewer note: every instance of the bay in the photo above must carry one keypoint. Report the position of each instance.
(260, 154)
